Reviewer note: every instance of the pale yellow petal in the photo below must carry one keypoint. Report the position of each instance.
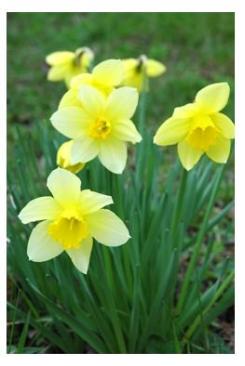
(188, 155)
(92, 201)
(172, 131)
(57, 73)
(125, 130)
(109, 72)
(186, 111)
(113, 155)
(84, 149)
(71, 121)
(81, 256)
(220, 151)
(64, 158)
(64, 186)
(43, 208)
(41, 247)
(93, 100)
(213, 98)
(70, 99)
(107, 228)
(60, 57)
(81, 79)
(121, 104)
(224, 125)
(154, 68)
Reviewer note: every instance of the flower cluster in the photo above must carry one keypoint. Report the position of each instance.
(95, 114)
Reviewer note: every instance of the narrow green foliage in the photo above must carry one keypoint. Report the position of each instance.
(141, 297)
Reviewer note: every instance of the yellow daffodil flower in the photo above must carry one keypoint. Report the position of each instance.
(65, 65)
(137, 71)
(199, 128)
(100, 126)
(64, 158)
(104, 77)
(70, 221)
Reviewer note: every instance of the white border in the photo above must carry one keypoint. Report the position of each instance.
(138, 6)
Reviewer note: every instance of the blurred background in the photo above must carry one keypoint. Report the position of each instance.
(197, 49)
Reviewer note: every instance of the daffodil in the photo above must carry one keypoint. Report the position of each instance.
(137, 71)
(100, 126)
(199, 128)
(105, 77)
(65, 65)
(64, 158)
(70, 220)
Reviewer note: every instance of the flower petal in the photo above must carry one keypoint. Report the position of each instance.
(220, 151)
(43, 208)
(188, 155)
(213, 98)
(84, 149)
(107, 228)
(172, 131)
(81, 256)
(109, 72)
(113, 155)
(121, 104)
(154, 68)
(93, 100)
(57, 73)
(92, 201)
(41, 247)
(70, 121)
(125, 130)
(59, 57)
(70, 99)
(224, 124)
(64, 186)
(185, 111)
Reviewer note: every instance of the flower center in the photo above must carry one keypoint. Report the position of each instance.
(203, 133)
(100, 129)
(68, 231)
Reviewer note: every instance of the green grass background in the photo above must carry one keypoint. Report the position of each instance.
(197, 48)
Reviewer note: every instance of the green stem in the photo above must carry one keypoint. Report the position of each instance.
(197, 245)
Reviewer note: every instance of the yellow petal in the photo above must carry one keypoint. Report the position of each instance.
(70, 99)
(43, 208)
(213, 98)
(60, 57)
(186, 111)
(188, 155)
(57, 73)
(172, 131)
(121, 104)
(113, 155)
(81, 79)
(154, 68)
(125, 130)
(107, 228)
(224, 124)
(109, 72)
(64, 158)
(84, 149)
(41, 247)
(64, 186)
(71, 121)
(92, 201)
(81, 256)
(93, 100)
(220, 151)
